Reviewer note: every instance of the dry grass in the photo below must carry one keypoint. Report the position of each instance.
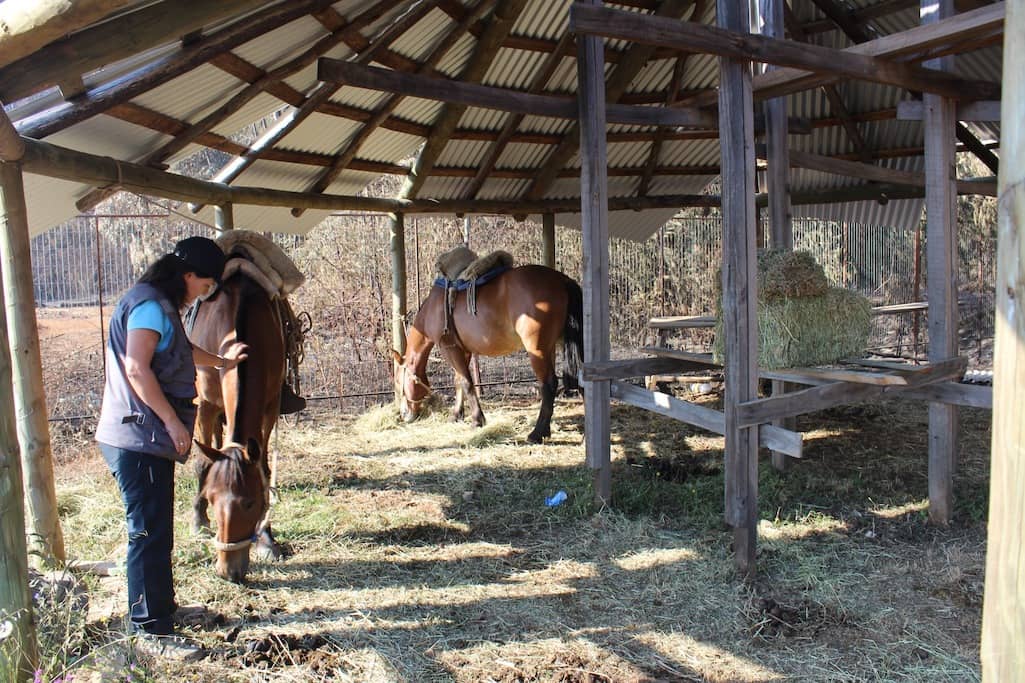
(425, 552)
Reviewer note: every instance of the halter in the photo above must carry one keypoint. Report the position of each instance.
(416, 380)
(237, 545)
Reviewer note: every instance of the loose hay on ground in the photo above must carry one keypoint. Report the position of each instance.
(421, 559)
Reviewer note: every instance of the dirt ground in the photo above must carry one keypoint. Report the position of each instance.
(425, 552)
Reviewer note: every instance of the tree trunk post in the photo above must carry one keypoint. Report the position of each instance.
(398, 285)
(27, 370)
(224, 217)
(1003, 613)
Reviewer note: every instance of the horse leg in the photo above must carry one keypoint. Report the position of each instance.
(460, 362)
(545, 371)
(459, 409)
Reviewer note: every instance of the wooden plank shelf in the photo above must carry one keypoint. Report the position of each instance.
(684, 322)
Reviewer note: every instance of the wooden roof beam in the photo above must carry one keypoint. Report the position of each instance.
(672, 92)
(357, 42)
(692, 37)
(458, 93)
(854, 169)
(164, 69)
(862, 15)
(28, 26)
(833, 96)
(110, 41)
(346, 156)
(618, 80)
(487, 46)
(505, 135)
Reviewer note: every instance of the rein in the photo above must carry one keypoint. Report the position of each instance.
(237, 545)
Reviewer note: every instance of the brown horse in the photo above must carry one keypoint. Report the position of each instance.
(234, 476)
(530, 307)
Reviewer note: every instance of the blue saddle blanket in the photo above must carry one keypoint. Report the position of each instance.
(463, 285)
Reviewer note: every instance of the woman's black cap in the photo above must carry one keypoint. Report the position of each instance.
(202, 256)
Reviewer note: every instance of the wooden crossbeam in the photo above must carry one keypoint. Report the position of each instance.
(110, 41)
(691, 37)
(913, 110)
(164, 69)
(616, 83)
(914, 43)
(348, 154)
(635, 367)
(774, 438)
(11, 146)
(489, 97)
(857, 169)
(28, 26)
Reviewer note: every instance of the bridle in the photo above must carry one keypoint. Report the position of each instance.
(233, 546)
(416, 380)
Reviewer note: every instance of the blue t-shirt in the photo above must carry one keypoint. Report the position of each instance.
(149, 316)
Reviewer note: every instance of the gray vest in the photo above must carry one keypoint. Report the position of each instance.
(125, 421)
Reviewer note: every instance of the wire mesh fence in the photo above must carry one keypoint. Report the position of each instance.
(87, 263)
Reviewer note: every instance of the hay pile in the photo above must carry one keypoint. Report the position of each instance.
(802, 321)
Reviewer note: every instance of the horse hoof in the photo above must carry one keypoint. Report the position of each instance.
(534, 438)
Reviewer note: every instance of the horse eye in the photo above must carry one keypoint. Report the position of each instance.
(248, 504)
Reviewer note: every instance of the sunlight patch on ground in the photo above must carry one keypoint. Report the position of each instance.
(710, 662)
(656, 557)
(810, 525)
(898, 511)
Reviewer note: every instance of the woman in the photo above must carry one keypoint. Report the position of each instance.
(146, 423)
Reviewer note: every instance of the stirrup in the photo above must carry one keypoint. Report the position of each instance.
(290, 401)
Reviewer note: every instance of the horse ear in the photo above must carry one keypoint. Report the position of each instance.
(210, 451)
(253, 451)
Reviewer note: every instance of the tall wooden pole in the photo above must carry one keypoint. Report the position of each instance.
(594, 222)
(398, 282)
(548, 239)
(15, 598)
(29, 395)
(1003, 613)
(740, 289)
(941, 265)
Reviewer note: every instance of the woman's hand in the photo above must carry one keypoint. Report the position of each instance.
(180, 436)
(235, 354)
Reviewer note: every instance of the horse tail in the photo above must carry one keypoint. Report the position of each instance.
(573, 335)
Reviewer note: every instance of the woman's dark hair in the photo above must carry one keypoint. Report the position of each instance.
(168, 275)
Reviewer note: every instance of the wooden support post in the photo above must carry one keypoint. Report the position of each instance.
(474, 360)
(15, 598)
(594, 193)
(548, 239)
(44, 528)
(224, 217)
(1003, 614)
(941, 265)
(740, 290)
(781, 229)
(398, 284)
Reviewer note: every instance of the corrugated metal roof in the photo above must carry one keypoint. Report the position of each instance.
(187, 98)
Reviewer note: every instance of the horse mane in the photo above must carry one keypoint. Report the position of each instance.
(246, 288)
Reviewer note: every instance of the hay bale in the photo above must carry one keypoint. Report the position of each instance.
(811, 330)
(789, 275)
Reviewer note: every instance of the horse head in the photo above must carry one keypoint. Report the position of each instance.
(411, 389)
(237, 489)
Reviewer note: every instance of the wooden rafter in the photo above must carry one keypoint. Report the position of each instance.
(471, 94)
(634, 59)
(320, 94)
(692, 37)
(110, 41)
(655, 151)
(862, 15)
(928, 39)
(503, 18)
(346, 156)
(164, 69)
(358, 43)
(537, 84)
(831, 92)
(27, 27)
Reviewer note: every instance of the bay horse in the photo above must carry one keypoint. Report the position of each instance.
(530, 307)
(242, 404)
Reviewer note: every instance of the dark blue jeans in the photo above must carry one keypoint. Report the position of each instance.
(147, 489)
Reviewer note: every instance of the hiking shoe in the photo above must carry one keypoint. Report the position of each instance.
(178, 648)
